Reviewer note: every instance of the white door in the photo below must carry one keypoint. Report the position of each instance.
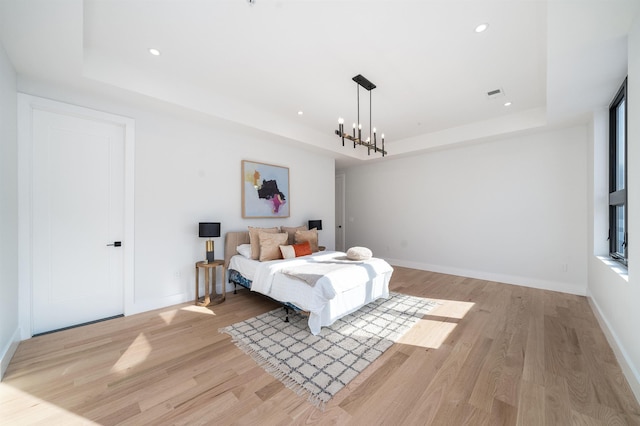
(77, 211)
(340, 212)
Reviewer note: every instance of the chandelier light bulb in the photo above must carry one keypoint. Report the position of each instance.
(340, 120)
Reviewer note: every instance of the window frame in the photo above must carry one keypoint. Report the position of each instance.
(618, 197)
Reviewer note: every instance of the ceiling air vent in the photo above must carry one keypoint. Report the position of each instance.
(496, 93)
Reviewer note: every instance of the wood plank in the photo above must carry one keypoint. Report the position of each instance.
(557, 404)
(531, 404)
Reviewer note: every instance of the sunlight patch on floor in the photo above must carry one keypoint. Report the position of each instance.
(18, 407)
(136, 354)
(198, 309)
(168, 316)
(428, 333)
(432, 332)
(451, 309)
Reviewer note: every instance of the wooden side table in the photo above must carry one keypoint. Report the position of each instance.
(210, 269)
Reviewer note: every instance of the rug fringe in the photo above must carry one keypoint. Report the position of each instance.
(280, 375)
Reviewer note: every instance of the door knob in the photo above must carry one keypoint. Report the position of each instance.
(115, 244)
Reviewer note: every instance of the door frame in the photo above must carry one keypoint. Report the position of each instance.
(26, 105)
(342, 177)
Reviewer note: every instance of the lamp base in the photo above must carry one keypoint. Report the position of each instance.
(210, 251)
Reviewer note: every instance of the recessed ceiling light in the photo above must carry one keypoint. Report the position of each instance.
(154, 52)
(300, 112)
(482, 27)
(507, 104)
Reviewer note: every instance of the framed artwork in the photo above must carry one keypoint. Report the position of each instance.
(265, 190)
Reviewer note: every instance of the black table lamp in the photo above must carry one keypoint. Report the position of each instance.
(315, 224)
(209, 230)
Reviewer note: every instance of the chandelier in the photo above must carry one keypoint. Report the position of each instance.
(357, 140)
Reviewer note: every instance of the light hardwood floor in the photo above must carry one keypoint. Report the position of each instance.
(489, 354)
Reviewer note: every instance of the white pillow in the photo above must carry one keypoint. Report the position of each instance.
(288, 252)
(244, 250)
(359, 253)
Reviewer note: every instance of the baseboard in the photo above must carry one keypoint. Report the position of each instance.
(628, 368)
(153, 304)
(176, 299)
(8, 351)
(500, 278)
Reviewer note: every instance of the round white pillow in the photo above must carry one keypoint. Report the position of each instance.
(359, 253)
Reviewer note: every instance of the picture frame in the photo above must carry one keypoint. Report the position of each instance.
(265, 190)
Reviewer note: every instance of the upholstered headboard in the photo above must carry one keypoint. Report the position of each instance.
(231, 241)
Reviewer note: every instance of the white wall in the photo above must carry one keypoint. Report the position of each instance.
(8, 212)
(615, 299)
(187, 170)
(510, 210)
(190, 173)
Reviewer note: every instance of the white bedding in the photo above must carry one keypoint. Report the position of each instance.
(334, 295)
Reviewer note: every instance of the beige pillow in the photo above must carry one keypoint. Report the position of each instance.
(270, 245)
(255, 239)
(311, 236)
(292, 232)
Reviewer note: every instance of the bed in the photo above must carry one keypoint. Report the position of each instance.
(344, 288)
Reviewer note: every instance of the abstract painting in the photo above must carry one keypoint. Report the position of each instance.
(265, 190)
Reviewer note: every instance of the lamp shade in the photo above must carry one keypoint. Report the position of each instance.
(315, 224)
(209, 229)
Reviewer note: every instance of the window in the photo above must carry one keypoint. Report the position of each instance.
(618, 215)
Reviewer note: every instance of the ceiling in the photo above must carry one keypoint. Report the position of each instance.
(259, 64)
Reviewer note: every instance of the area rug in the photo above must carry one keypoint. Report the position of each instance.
(321, 365)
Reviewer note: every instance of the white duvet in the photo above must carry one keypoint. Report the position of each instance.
(336, 294)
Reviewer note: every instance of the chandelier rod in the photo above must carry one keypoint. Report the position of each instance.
(359, 125)
(374, 135)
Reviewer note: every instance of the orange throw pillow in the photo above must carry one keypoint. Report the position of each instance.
(302, 249)
(295, 250)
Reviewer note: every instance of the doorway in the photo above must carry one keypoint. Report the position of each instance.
(76, 214)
